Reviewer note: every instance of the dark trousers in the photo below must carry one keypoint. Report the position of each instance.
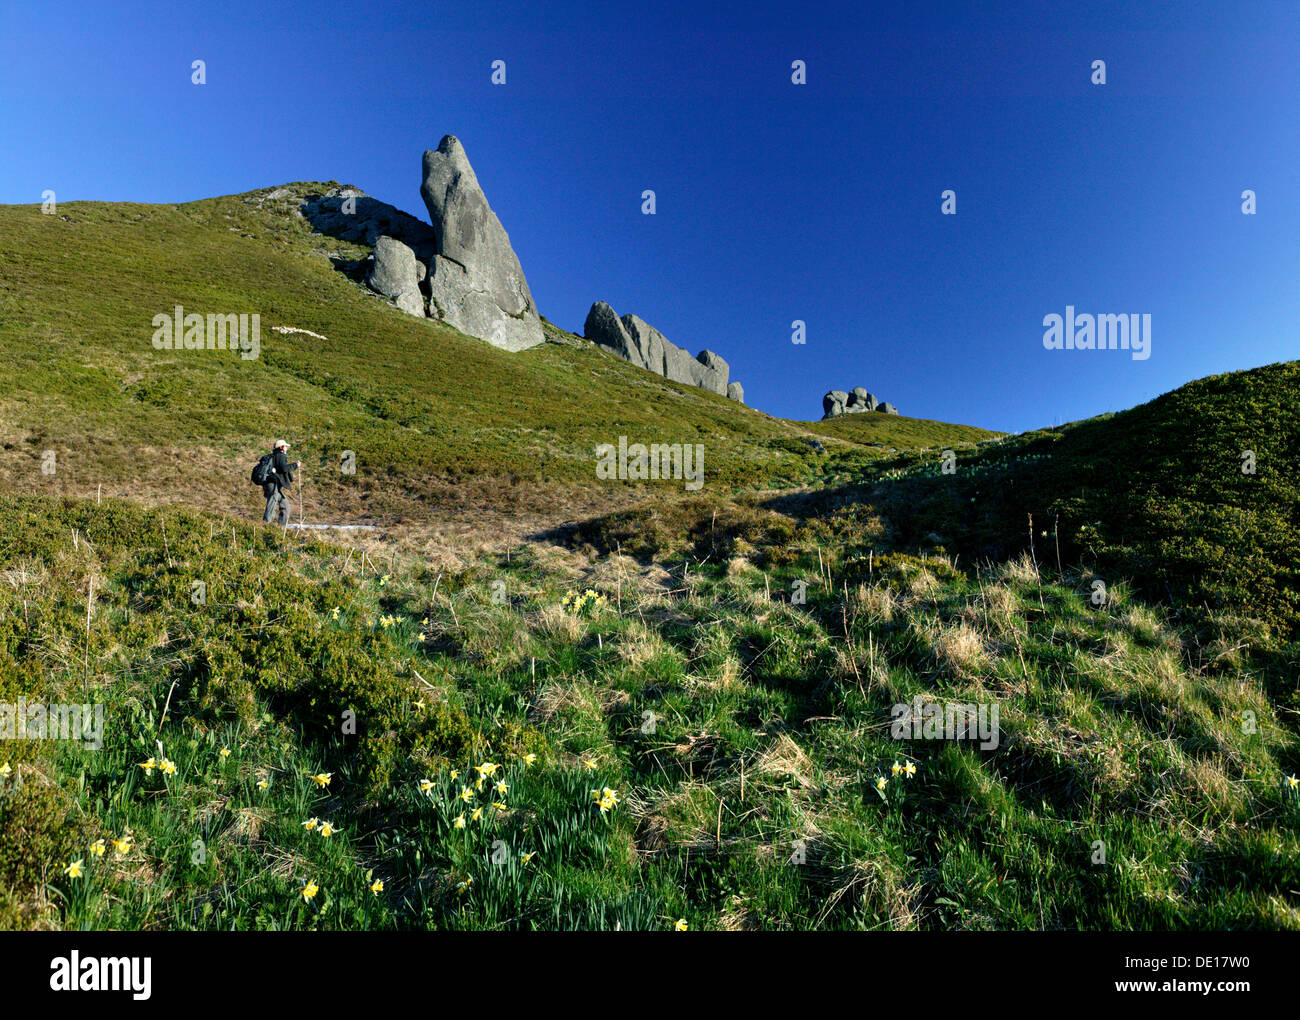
(280, 500)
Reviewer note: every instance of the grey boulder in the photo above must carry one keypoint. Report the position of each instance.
(395, 274)
(736, 392)
(834, 402)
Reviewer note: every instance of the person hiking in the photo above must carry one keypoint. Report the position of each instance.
(276, 475)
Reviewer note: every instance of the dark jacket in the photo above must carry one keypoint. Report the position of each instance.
(281, 474)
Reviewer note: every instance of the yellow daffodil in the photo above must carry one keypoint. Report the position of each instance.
(455, 773)
(478, 783)
(262, 784)
(459, 823)
(383, 580)
(122, 846)
(327, 829)
(334, 613)
(530, 758)
(499, 805)
(377, 886)
(309, 890)
(881, 783)
(426, 785)
(525, 858)
(503, 787)
(149, 765)
(478, 813)
(311, 823)
(589, 763)
(466, 794)
(322, 779)
(896, 768)
(1292, 782)
(97, 848)
(486, 769)
(464, 886)
(5, 770)
(167, 767)
(681, 924)
(225, 752)
(910, 769)
(73, 870)
(419, 638)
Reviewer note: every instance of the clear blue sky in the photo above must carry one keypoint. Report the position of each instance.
(776, 202)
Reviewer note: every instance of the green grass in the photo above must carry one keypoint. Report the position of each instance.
(731, 679)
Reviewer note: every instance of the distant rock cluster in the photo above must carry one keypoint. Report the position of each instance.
(635, 340)
(857, 400)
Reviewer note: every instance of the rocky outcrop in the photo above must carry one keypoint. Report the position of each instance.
(635, 340)
(475, 281)
(395, 274)
(856, 401)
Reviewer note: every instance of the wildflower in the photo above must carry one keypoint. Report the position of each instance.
(383, 580)
(327, 829)
(589, 763)
(322, 779)
(464, 886)
(466, 794)
(426, 785)
(262, 784)
(459, 823)
(1292, 782)
(334, 613)
(419, 638)
(681, 924)
(122, 846)
(73, 870)
(308, 891)
(530, 758)
(455, 773)
(503, 787)
(377, 886)
(97, 848)
(486, 769)
(311, 823)
(149, 765)
(5, 770)
(478, 784)
(896, 768)
(167, 767)
(478, 813)
(499, 805)
(525, 858)
(225, 752)
(881, 783)
(910, 769)
(424, 622)
(606, 799)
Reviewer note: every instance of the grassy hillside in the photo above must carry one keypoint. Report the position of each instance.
(420, 405)
(680, 703)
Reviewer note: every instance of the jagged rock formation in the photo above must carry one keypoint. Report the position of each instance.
(475, 281)
(838, 402)
(635, 340)
(461, 269)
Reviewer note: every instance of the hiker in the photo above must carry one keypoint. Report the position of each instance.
(274, 473)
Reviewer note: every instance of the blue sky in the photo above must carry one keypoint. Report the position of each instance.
(775, 202)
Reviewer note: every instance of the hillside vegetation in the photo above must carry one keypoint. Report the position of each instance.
(650, 709)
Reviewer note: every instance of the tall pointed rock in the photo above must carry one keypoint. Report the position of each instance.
(475, 279)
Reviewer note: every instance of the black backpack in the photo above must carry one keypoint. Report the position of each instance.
(262, 469)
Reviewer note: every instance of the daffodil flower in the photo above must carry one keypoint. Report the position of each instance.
(530, 758)
(466, 794)
(327, 829)
(896, 768)
(122, 846)
(426, 785)
(225, 752)
(311, 823)
(681, 924)
(309, 890)
(525, 858)
(97, 848)
(149, 765)
(455, 773)
(589, 763)
(5, 770)
(459, 823)
(478, 813)
(377, 886)
(1292, 782)
(168, 767)
(503, 787)
(910, 769)
(499, 805)
(73, 870)
(881, 782)
(322, 779)
(486, 769)
(262, 784)
(334, 613)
